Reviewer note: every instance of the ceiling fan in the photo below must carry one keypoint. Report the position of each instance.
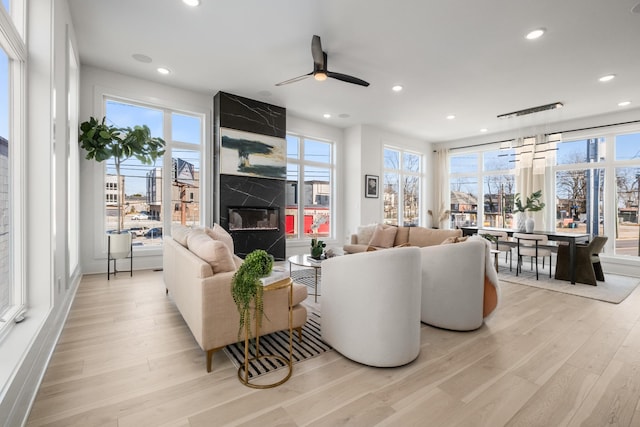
(320, 71)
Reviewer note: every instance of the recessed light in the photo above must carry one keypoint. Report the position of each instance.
(484, 130)
(397, 88)
(624, 103)
(164, 71)
(326, 115)
(192, 3)
(451, 117)
(532, 35)
(344, 115)
(142, 58)
(607, 78)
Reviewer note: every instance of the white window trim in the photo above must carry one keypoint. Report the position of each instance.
(401, 172)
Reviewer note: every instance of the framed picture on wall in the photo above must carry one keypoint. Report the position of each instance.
(371, 186)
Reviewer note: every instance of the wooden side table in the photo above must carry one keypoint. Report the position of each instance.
(243, 371)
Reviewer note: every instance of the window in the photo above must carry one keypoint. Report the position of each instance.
(141, 186)
(12, 74)
(309, 187)
(627, 172)
(402, 187)
(580, 186)
(493, 184)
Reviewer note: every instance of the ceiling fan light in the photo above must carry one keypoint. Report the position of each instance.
(320, 76)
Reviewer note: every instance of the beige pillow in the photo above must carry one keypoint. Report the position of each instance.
(365, 232)
(219, 233)
(179, 233)
(215, 252)
(383, 237)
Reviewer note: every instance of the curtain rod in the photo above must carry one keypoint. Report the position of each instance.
(546, 134)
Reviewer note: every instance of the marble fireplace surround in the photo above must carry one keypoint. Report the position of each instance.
(233, 191)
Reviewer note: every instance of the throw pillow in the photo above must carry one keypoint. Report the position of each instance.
(383, 237)
(219, 233)
(215, 252)
(365, 232)
(179, 233)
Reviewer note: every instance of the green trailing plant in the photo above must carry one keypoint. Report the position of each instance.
(532, 204)
(102, 142)
(246, 289)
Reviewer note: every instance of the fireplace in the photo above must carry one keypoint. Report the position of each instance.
(244, 218)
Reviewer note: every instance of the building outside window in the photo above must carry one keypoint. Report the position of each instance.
(309, 187)
(402, 186)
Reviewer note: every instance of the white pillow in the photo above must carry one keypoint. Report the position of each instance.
(365, 233)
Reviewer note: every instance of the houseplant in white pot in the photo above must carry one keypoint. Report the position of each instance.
(532, 204)
(103, 142)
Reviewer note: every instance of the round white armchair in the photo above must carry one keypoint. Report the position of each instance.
(371, 306)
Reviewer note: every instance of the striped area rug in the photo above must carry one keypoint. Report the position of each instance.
(278, 343)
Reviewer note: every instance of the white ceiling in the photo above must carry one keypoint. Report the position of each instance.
(467, 58)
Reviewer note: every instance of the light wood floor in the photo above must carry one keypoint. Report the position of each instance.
(126, 358)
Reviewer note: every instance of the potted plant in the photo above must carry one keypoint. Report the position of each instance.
(246, 289)
(103, 142)
(533, 204)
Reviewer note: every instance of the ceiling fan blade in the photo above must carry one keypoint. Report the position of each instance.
(347, 78)
(295, 79)
(319, 59)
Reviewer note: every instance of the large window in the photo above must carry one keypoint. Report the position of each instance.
(402, 187)
(141, 189)
(309, 194)
(12, 74)
(580, 186)
(482, 186)
(627, 172)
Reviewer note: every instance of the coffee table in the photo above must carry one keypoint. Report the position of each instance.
(303, 261)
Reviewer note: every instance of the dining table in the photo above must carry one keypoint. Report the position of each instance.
(571, 238)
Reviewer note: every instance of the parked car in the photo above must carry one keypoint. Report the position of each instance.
(154, 232)
(140, 216)
(139, 231)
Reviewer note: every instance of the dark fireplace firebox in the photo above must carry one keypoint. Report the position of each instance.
(243, 218)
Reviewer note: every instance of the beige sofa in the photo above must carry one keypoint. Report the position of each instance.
(378, 236)
(201, 290)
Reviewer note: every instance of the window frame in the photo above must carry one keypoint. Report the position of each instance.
(102, 97)
(12, 42)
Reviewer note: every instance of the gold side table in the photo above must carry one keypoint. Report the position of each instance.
(243, 371)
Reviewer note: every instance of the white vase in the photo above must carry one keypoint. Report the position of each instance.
(530, 224)
(521, 222)
(119, 245)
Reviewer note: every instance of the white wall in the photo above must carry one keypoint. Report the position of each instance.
(365, 153)
(94, 84)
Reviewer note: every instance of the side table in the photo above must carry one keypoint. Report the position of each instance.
(303, 261)
(243, 371)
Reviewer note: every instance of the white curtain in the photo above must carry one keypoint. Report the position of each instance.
(442, 193)
(531, 166)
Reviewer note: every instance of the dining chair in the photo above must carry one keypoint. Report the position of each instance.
(500, 240)
(533, 246)
(587, 265)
